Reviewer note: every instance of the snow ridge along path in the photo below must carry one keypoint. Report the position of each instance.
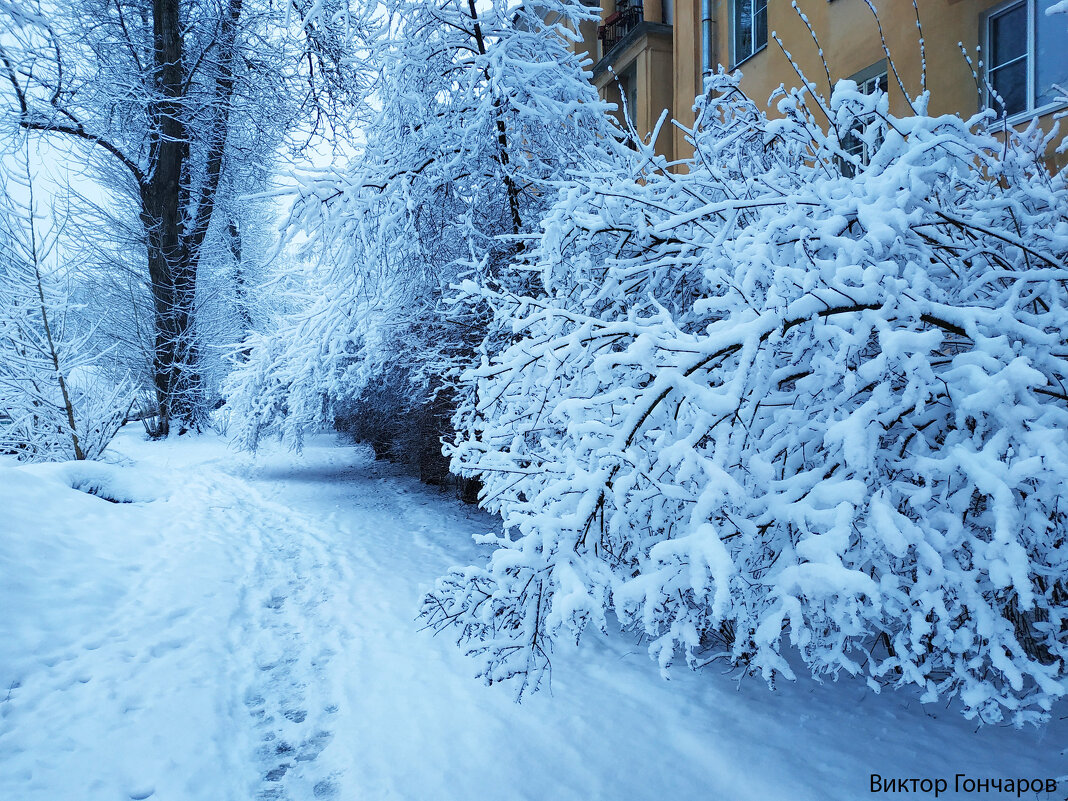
(240, 628)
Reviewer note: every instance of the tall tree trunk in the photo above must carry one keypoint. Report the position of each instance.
(173, 282)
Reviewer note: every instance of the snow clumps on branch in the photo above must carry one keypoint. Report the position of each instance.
(790, 405)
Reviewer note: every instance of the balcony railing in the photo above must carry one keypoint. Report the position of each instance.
(616, 26)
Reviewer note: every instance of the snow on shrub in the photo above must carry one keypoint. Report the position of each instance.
(56, 400)
(471, 113)
(786, 405)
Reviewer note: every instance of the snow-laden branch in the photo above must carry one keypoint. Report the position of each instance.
(787, 405)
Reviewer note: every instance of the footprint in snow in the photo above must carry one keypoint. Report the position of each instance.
(287, 698)
(327, 788)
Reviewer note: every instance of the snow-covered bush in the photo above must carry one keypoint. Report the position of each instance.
(56, 402)
(785, 407)
(471, 116)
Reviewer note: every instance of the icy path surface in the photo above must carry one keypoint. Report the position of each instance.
(244, 629)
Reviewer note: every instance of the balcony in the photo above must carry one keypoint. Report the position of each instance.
(616, 26)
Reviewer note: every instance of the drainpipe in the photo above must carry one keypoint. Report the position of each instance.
(706, 37)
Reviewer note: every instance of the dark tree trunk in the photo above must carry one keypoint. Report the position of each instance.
(175, 227)
(240, 288)
(172, 278)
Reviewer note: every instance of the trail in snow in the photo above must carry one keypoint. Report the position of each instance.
(245, 629)
(286, 628)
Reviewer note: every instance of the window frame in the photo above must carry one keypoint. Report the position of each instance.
(868, 82)
(732, 16)
(986, 36)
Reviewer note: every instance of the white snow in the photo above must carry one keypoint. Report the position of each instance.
(239, 629)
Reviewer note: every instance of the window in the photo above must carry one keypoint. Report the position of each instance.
(1026, 55)
(749, 25)
(869, 81)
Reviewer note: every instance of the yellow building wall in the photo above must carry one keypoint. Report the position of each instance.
(849, 35)
(651, 57)
(659, 95)
(847, 32)
(687, 70)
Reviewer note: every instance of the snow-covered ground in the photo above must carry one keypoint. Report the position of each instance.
(244, 628)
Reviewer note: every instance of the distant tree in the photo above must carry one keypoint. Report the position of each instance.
(183, 99)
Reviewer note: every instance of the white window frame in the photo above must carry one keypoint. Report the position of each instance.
(736, 57)
(1031, 54)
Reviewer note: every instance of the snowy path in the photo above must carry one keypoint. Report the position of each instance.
(245, 630)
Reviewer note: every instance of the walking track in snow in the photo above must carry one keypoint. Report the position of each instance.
(245, 629)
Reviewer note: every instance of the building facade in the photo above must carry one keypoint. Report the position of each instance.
(652, 54)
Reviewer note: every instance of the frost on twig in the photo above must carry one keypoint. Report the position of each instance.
(56, 403)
